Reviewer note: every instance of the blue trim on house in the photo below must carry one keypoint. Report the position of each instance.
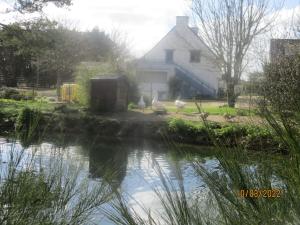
(197, 86)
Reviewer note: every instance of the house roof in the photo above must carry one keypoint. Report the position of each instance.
(166, 35)
(198, 38)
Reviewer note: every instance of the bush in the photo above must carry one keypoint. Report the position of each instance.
(230, 134)
(10, 93)
(282, 84)
(85, 71)
(132, 105)
(241, 112)
(186, 128)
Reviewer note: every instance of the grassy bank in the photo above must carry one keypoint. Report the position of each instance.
(68, 119)
(232, 135)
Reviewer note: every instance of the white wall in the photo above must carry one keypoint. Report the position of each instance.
(182, 40)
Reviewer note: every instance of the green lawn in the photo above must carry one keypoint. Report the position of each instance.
(13, 107)
(212, 107)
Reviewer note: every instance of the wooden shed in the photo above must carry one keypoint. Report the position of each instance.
(109, 94)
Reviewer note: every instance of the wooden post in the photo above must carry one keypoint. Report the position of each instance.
(151, 95)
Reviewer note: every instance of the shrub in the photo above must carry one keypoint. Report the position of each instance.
(241, 112)
(230, 133)
(132, 105)
(85, 71)
(186, 128)
(10, 93)
(282, 84)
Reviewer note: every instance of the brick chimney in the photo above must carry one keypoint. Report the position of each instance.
(182, 21)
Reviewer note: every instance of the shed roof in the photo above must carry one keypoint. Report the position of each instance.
(109, 77)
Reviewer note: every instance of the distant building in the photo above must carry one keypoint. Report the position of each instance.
(109, 94)
(283, 47)
(183, 54)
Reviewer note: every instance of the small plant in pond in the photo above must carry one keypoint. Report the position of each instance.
(27, 124)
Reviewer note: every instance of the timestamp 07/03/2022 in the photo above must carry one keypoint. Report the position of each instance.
(260, 193)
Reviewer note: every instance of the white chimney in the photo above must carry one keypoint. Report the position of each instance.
(195, 30)
(182, 20)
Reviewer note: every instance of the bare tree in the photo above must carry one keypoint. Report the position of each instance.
(121, 48)
(228, 27)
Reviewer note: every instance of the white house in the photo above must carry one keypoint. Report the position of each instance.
(183, 54)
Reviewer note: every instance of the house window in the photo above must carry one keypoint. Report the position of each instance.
(195, 56)
(169, 55)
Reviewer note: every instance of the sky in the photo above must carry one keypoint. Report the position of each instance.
(141, 22)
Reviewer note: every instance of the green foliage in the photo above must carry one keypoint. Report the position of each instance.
(12, 107)
(240, 112)
(30, 6)
(45, 53)
(27, 125)
(132, 105)
(84, 72)
(271, 192)
(230, 131)
(249, 136)
(187, 129)
(282, 84)
(214, 110)
(10, 93)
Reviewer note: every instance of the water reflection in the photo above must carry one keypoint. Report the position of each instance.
(131, 163)
(108, 161)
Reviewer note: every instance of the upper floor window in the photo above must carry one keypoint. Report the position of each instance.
(195, 56)
(169, 55)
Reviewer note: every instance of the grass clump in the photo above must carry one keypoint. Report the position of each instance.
(11, 93)
(27, 125)
(36, 190)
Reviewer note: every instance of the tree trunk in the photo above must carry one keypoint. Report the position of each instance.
(231, 97)
(58, 85)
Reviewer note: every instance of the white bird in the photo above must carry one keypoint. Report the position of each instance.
(141, 103)
(179, 104)
(157, 104)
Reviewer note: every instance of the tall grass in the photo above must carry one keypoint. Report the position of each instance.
(39, 187)
(223, 203)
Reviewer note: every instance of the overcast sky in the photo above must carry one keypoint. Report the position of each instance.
(143, 22)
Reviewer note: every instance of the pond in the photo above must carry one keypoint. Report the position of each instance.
(135, 162)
